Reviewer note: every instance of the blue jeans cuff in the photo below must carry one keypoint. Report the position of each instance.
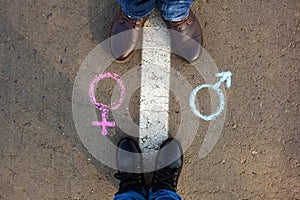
(177, 19)
(163, 195)
(132, 16)
(131, 194)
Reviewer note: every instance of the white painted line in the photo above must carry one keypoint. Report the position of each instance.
(155, 84)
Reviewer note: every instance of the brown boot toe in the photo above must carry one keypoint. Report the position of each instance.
(186, 38)
(126, 35)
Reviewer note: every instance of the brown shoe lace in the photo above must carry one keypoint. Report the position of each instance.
(177, 25)
(131, 22)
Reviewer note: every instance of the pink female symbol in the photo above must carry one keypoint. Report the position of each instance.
(102, 107)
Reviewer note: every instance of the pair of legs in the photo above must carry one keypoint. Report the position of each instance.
(169, 163)
(171, 10)
(184, 27)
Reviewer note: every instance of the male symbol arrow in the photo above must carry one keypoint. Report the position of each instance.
(225, 76)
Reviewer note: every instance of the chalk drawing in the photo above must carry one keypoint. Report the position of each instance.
(225, 76)
(102, 107)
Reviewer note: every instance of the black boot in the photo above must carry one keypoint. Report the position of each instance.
(168, 166)
(129, 163)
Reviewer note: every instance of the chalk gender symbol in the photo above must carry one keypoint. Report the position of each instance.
(102, 107)
(225, 76)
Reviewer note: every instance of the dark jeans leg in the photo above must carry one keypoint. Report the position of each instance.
(163, 195)
(137, 9)
(174, 10)
(131, 195)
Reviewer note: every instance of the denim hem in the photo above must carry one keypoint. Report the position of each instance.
(136, 17)
(177, 19)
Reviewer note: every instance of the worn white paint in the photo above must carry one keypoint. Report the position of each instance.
(155, 84)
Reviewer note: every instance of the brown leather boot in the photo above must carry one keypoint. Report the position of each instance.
(186, 38)
(126, 35)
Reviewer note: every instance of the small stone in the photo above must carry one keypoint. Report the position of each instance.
(27, 124)
(254, 173)
(234, 126)
(49, 15)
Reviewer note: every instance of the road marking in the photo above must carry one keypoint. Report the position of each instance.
(155, 84)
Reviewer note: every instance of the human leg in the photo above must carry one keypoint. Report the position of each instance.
(163, 195)
(174, 10)
(126, 31)
(125, 36)
(129, 163)
(131, 195)
(137, 9)
(168, 167)
(185, 30)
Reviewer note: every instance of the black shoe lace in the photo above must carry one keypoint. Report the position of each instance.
(165, 179)
(125, 177)
(129, 181)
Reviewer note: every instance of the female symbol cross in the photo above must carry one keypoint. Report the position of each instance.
(102, 107)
